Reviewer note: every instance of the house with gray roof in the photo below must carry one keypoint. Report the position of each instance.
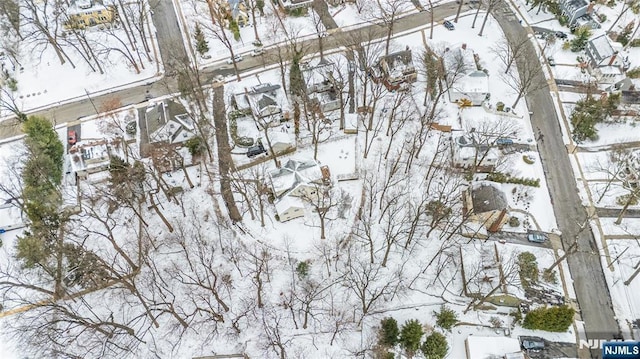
(486, 204)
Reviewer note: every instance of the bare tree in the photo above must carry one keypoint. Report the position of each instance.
(510, 49)
(386, 13)
(490, 5)
(528, 77)
(322, 199)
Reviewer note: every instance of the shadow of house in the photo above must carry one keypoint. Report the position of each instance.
(167, 123)
(487, 205)
(397, 68)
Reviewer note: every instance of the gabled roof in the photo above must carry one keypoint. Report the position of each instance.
(487, 198)
(601, 47)
(293, 173)
(169, 121)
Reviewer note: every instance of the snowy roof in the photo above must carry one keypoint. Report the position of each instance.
(600, 48)
(87, 6)
(490, 347)
(397, 63)
(574, 4)
(261, 97)
(293, 173)
(460, 57)
(89, 155)
(276, 137)
(169, 121)
(287, 202)
(488, 198)
(314, 75)
(473, 82)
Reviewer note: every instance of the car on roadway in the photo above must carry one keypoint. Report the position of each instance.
(449, 25)
(257, 52)
(72, 138)
(537, 237)
(533, 345)
(236, 58)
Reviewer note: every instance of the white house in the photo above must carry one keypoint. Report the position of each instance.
(478, 347)
(468, 82)
(89, 157)
(295, 179)
(603, 60)
(280, 141)
(467, 154)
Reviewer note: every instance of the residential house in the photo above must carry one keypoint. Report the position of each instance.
(86, 13)
(295, 179)
(486, 204)
(397, 68)
(574, 9)
(322, 86)
(89, 157)
(238, 11)
(467, 153)
(603, 60)
(168, 122)
(281, 142)
(264, 100)
(467, 81)
(479, 347)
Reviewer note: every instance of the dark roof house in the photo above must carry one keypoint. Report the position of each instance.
(487, 198)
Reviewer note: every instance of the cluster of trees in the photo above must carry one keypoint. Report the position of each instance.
(551, 319)
(590, 111)
(410, 337)
(41, 25)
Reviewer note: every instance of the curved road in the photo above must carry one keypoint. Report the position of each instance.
(590, 285)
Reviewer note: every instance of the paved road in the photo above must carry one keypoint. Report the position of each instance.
(169, 35)
(586, 269)
(70, 112)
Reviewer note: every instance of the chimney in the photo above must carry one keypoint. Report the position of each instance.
(464, 46)
(590, 7)
(613, 58)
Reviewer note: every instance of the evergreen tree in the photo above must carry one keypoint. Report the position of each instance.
(41, 176)
(435, 346)
(410, 336)
(202, 45)
(551, 319)
(446, 318)
(388, 335)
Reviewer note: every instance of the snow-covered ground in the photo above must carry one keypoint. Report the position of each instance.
(43, 81)
(255, 270)
(594, 165)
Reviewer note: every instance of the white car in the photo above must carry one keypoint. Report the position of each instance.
(257, 52)
(236, 58)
